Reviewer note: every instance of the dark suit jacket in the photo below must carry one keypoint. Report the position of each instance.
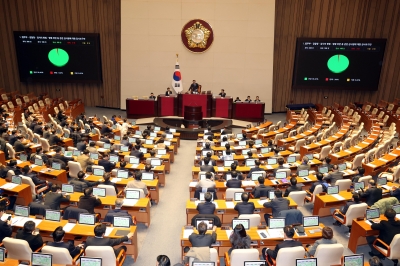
(245, 207)
(284, 244)
(109, 183)
(109, 218)
(168, 93)
(387, 230)
(136, 153)
(202, 240)
(35, 179)
(207, 168)
(53, 200)
(344, 208)
(99, 241)
(105, 130)
(63, 158)
(255, 169)
(234, 183)
(108, 166)
(38, 130)
(333, 177)
(261, 191)
(81, 146)
(206, 208)
(5, 230)
(372, 195)
(312, 188)
(290, 189)
(303, 167)
(46, 135)
(88, 203)
(73, 251)
(396, 193)
(34, 242)
(105, 140)
(18, 146)
(54, 139)
(277, 205)
(12, 140)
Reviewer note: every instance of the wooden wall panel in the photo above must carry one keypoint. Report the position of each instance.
(91, 16)
(335, 19)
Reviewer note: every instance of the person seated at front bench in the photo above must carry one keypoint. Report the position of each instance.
(277, 205)
(280, 161)
(261, 190)
(372, 194)
(61, 156)
(109, 218)
(248, 99)
(206, 207)
(80, 184)
(208, 182)
(88, 201)
(293, 186)
(29, 234)
(234, 182)
(319, 182)
(245, 207)
(105, 162)
(208, 155)
(207, 166)
(58, 242)
(256, 168)
(202, 239)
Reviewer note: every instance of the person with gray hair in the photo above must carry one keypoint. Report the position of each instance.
(109, 218)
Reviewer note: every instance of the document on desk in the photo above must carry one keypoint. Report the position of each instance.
(393, 154)
(187, 233)
(386, 187)
(220, 168)
(398, 216)
(192, 184)
(358, 147)
(134, 166)
(366, 143)
(68, 227)
(275, 233)
(248, 183)
(116, 179)
(261, 202)
(338, 197)
(108, 231)
(228, 233)
(371, 165)
(383, 160)
(264, 232)
(269, 167)
(229, 204)
(20, 221)
(9, 186)
(5, 216)
(130, 202)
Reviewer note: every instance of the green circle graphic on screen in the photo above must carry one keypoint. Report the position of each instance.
(338, 63)
(58, 57)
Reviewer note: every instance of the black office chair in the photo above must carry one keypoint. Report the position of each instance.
(217, 221)
(212, 190)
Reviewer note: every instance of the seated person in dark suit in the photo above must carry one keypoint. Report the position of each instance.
(207, 147)
(136, 152)
(12, 166)
(287, 242)
(54, 139)
(387, 230)
(28, 233)
(354, 200)
(327, 162)
(293, 187)
(213, 162)
(222, 93)
(38, 129)
(5, 226)
(245, 207)
(234, 182)
(109, 218)
(206, 207)
(280, 161)
(261, 190)
(372, 194)
(360, 174)
(27, 171)
(207, 166)
(168, 92)
(395, 192)
(248, 99)
(106, 138)
(277, 205)
(54, 198)
(334, 176)
(88, 201)
(107, 182)
(257, 168)
(58, 238)
(202, 239)
(18, 146)
(13, 137)
(80, 184)
(105, 129)
(61, 157)
(319, 182)
(106, 163)
(81, 146)
(100, 240)
(233, 168)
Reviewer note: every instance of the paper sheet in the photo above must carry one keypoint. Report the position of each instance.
(358, 147)
(248, 183)
(275, 233)
(337, 196)
(9, 186)
(371, 165)
(261, 202)
(193, 184)
(187, 233)
(386, 187)
(366, 143)
(393, 154)
(229, 205)
(115, 180)
(68, 227)
(129, 202)
(5, 216)
(221, 168)
(134, 166)
(108, 231)
(383, 160)
(20, 221)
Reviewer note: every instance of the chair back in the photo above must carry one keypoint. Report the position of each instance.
(365, 179)
(74, 168)
(288, 172)
(11, 151)
(17, 249)
(73, 213)
(60, 255)
(255, 219)
(355, 211)
(45, 144)
(344, 184)
(357, 161)
(106, 253)
(110, 190)
(28, 181)
(337, 146)
(324, 152)
(298, 197)
(292, 216)
(230, 192)
(299, 143)
(329, 254)
(278, 137)
(394, 247)
(239, 256)
(288, 256)
(318, 189)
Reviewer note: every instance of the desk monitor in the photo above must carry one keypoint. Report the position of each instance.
(306, 262)
(228, 163)
(245, 151)
(276, 223)
(148, 142)
(132, 140)
(23, 157)
(250, 162)
(172, 130)
(265, 150)
(124, 148)
(208, 222)
(204, 153)
(229, 177)
(353, 260)
(155, 162)
(138, 132)
(303, 173)
(106, 146)
(62, 150)
(310, 156)
(86, 218)
(100, 192)
(67, 188)
(255, 263)
(291, 159)
(271, 161)
(156, 129)
(76, 152)
(381, 181)
(323, 169)
(202, 176)
(56, 166)
(68, 153)
(342, 166)
(258, 141)
(41, 259)
(310, 221)
(237, 196)
(86, 261)
(39, 162)
(201, 196)
(114, 158)
(98, 172)
(359, 185)
(66, 135)
(94, 131)
(281, 175)
(94, 156)
(16, 179)
(239, 135)
(271, 194)
(35, 140)
(21, 211)
(161, 152)
(53, 215)
(255, 176)
(396, 208)
(122, 221)
(143, 150)
(167, 143)
(153, 134)
(2, 254)
(203, 263)
(242, 143)
(333, 190)
(169, 136)
(58, 132)
(122, 174)
(132, 194)
(147, 176)
(372, 214)
(244, 222)
(134, 160)
(223, 143)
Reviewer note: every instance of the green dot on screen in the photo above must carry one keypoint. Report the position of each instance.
(58, 57)
(305, 78)
(338, 63)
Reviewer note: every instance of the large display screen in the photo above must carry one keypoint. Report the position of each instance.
(338, 63)
(58, 57)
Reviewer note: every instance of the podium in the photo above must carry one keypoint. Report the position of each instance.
(202, 100)
(140, 108)
(167, 105)
(222, 107)
(248, 111)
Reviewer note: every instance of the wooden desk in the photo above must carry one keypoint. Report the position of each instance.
(55, 176)
(271, 135)
(253, 130)
(323, 204)
(286, 142)
(2, 158)
(227, 214)
(23, 192)
(382, 163)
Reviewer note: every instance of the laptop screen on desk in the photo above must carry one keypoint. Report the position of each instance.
(153, 134)
(156, 129)
(208, 222)
(167, 142)
(303, 173)
(271, 195)
(310, 156)
(239, 136)
(244, 152)
(68, 153)
(201, 196)
(203, 263)
(40, 259)
(2, 254)
(56, 166)
(124, 148)
(271, 161)
(107, 146)
(53, 215)
(86, 261)
(276, 223)
(244, 222)
(306, 262)
(144, 150)
(291, 159)
(87, 218)
(98, 172)
(238, 196)
(255, 176)
(323, 169)
(21, 211)
(265, 150)
(16, 179)
(333, 190)
(120, 221)
(147, 176)
(204, 153)
(138, 132)
(228, 163)
(131, 140)
(132, 194)
(242, 143)
(161, 152)
(155, 162)
(148, 142)
(353, 260)
(250, 162)
(100, 192)
(372, 213)
(94, 156)
(23, 157)
(76, 153)
(114, 158)
(172, 130)
(381, 181)
(39, 162)
(67, 188)
(358, 185)
(342, 166)
(258, 141)
(310, 221)
(134, 160)
(255, 263)
(396, 208)
(280, 175)
(122, 174)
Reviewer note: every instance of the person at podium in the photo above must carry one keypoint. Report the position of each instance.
(194, 88)
(168, 92)
(222, 93)
(248, 99)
